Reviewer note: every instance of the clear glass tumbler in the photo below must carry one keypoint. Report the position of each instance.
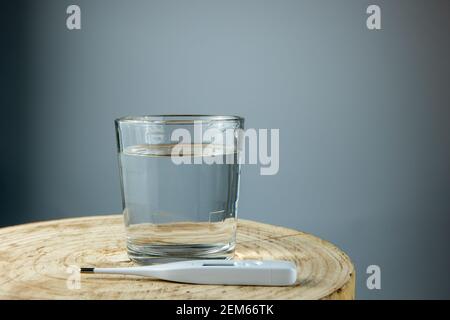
(180, 185)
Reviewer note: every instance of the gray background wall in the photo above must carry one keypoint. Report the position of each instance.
(364, 116)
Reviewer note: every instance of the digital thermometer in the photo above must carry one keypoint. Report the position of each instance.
(227, 272)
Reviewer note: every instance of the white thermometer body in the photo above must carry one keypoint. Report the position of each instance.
(226, 272)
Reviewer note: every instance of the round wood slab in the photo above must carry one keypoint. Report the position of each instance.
(41, 261)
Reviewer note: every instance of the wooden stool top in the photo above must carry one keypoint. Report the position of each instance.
(41, 260)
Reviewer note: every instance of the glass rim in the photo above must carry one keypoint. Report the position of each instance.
(178, 119)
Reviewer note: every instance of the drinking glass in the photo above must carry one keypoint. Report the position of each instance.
(180, 185)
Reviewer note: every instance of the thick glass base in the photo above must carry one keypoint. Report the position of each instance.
(150, 254)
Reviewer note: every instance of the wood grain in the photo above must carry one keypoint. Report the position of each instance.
(40, 261)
